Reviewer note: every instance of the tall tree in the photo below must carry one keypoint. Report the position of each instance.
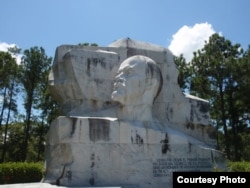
(49, 109)
(7, 70)
(8, 86)
(184, 72)
(35, 63)
(216, 76)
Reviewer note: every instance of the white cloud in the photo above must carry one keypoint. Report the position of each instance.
(189, 39)
(4, 48)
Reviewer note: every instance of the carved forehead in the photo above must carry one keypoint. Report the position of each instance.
(136, 61)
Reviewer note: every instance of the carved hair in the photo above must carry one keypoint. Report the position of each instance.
(153, 71)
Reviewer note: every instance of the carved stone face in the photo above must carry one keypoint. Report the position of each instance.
(130, 82)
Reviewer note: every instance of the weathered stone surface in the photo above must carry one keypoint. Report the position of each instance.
(126, 121)
(109, 152)
(82, 80)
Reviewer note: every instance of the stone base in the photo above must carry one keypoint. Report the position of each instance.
(41, 185)
(108, 152)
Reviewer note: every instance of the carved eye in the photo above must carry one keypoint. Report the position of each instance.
(128, 71)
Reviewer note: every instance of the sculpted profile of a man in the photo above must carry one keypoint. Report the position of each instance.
(137, 83)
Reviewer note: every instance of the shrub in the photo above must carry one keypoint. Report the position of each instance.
(239, 166)
(21, 172)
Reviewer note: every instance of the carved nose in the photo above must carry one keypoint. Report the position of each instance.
(119, 81)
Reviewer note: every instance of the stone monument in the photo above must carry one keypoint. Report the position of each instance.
(127, 122)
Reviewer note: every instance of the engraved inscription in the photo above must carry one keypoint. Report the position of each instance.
(165, 167)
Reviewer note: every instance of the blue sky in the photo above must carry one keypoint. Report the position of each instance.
(180, 25)
(50, 23)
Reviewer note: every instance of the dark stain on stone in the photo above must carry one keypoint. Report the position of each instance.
(99, 129)
(212, 157)
(139, 139)
(192, 113)
(171, 112)
(98, 81)
(202, 130)
(153, 71)
(61, 176)
(92, 165)
(88, 67)
(203, 106)
(205, 116)
(94, 103)
(108, 104)
(201, 127)
(190, 126)
(130, 51)
(189, 147)
(92, 180)
(165, 144)
(74, 120)
(199, 110)
(165, 56)
(132, 139)
(69, 175)
(88, 63)
(96, 61)
(211, 132)
(173, 95)
(92, 157)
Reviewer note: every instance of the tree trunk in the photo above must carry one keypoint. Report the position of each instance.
(27, 127)
(224, 122)
(6, 132)
(7, 123)
(3, 107)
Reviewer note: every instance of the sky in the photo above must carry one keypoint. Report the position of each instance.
(180, 25)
